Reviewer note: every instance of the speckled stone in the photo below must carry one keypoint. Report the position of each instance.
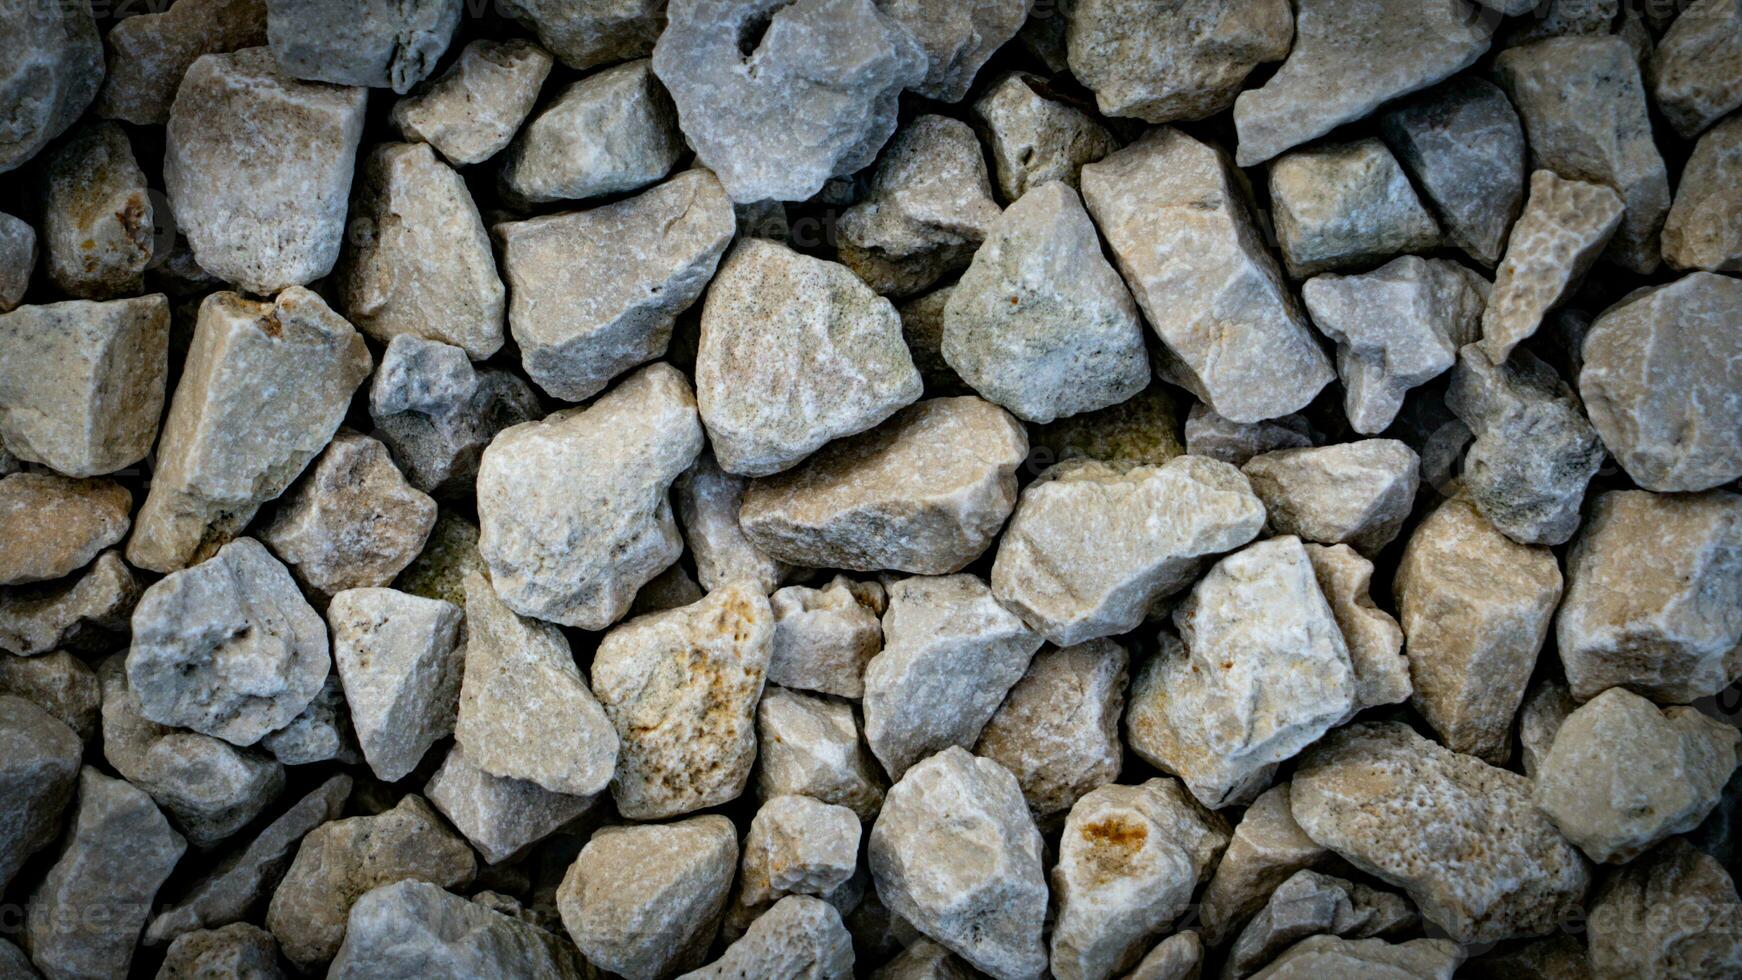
(470, 111)
(1035, 137)
(1184, 62)
(1058, 728)
(51, 526)
(1464, 145)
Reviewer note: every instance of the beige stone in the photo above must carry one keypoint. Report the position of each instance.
(150, 52)
(1564, 227)
(1673, 913)
(1356, 493)
(1375, 959)
(824, 637)
(1035, 137)
(98, 225)
(1374, 638)
(800, 936)
(797, 846)
(470, 111)
(1704, 226)
(58, 683)
(1058, 728)
(810, 745)
(612, 131)
(1266, 848)
(958, 38)
(708, 499)
(51, 525)
(399, 659)
(38, 618)
(1187, 63)
(1694, 67)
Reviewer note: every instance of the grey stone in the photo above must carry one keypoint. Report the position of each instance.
(399, 659)
(1565, 225)
(17, 260)
(51, 526)
(417, 929)
(379, 43)
(1674, 913)
(800, 937)
(1546, 707)
(98, 221)
(922, 327)
(1178, 957)
(924, 960)
(1376, 959)
(1704, 226)
(1212, 436)
(1266, 849)
(797, 846)
(1035, 138)
(1058, 728)
(1694, 67)
(1354, 493)
(612, 131)
(501, 817)
(39, 771)
(708, 500)
(1345, 204)
(321, 733)
(239, 950)
(585, 33)
(472, 110)
(957, 38)
(13, 959)
(1309, 904)
(58, 683)
(150, 52)
(1186, 61)
(811, 745)
(824, 637)
(53, 59)
(38, 618)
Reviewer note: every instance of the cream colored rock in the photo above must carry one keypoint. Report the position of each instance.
(1266, 849)
(1374, 959)
(1704, 226)
(51, 525)
(1346, 204)
(1036, 138)
(399, 659)
(610, 132)
(797, 846)
(810, 745)
(79, 612)
(470, 111)
(1564, 227)
(800, 936)
(1694, 67)
(824, 637)
(1356, 493)
(1673, 913)
(1374, 638)
(98, 221)
(1058, 728)
(501, 817)
(150, 52)
(1186, 63)
(708, 499)
(1178, 957)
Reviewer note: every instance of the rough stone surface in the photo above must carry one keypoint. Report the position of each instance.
(681, 688)
(610, 132)
(321, 733)
(149, 53)
(1704, 226)
(810, 745)
(38, 618)
(573, 510)
(1310, 903)
(399, 659)
(238, 950)
(1035, 138)
(1565, 225)
(1183, 62)
(51, 526)
(1460, 836)
(501, 817)
(1355, 493)
(1475, 607)
(1546, 707)
(1093, 544)
(1672, 914)
(97, 218)
(58, 683)
(988, 911)
(1694, 67)
(53, 58)
(439, 572)
(924, 493)
(1654, 597)
(957, 39)
(263, 205)
(39, 771)
(708, 500)
(470, 111)
(1058, 728)
(644, 900)
(18, 249)
(262, 391)
(824, 637)
(1178, 957)
(1210, 435)
(1333, 956)
(797, 846)
(800, 936)
(81, 386)
(1345, 204)
(1203, 277)
(594, 293)
(1662, 381)
(378, 43)
(1374, 639)
(815, 97)
(416, 929)
(585, 33)
(1266, 849)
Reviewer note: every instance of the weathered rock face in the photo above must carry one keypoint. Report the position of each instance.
(824, 637)
(1565, 226)
(97, 222)
(1662, 382)
(51, 525)
(957, 39)
(810, 745)
(39, 771)
(378, 43)
(923, 493)
(1345, 204)
(708, 500)
(1203, 278)
(411, 928)
(149, 53)
(797, 846)
(1188, 64)
(1035, 139)
(237, 950)
(1266, 849)
(644, 900)
(54, 67)
(1348, 57)
(1475, 607)
(471, 111)
(1546, 707)
(573, 510)
(681, 688)
(950, 654)
(1460, 836)
(1058, 728)
(1129, 860)
(501, 817)
(1704, 226)
(585, 33)
(1673, 913)
(1331, 956)
(228, 648)
(594, 293)
(263, 389)
(814, 97)
(1693, 67)
(1584, 110)
(988, 911)
(1356, 493)
(610, 132)
(59, 684)
(799, 937)
(1092, 546)
(923, 960)
(400, 662)
(1464, 145)
(1667, 629)
(78, 612)
(17, 260)
(262, 205)
(1262, 673)
(81, 386)
(1310, 903)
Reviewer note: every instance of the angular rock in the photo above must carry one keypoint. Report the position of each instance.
(573, 510)
(1129, 860)
(38, 618)
(39, 770)
(797, 846)
(1374, 639)
(1346, 204)
(681, 688)
(708, 500)
(53, 58)
(51, 526)
(1266, 849)
(1694, 66)
(501, 817)
(263, 205)
(1355, 493)
(321, 733)
(1232, 334)
(1333, 956)
(58, 683)
(1178, 957)
(399, 659)
(585, 33)
(594, 293)
(1210, 435)
(644, 900)
(810, 745)
(1662, 381)
(416, 929)
(97, 218)
(1564, 227)
(525, 711)
(17, 260)
(957, 39)
(1309, 904)
(1458, 835)
(799, 937)
(1674, 913)
(1058, 728)
(794, 352)
(989, 911)
(149, 53)
(237, 950)
(1035, 138)
(1654, 597)
(824, 637)
(81, 387)
(1704, 226)
(1584, 109)
(1350, 56)
(610, 132)
(1546, 707)
(922, 327)
(378, 43)
(1188, 63)
(472, 110)
(924, 493)
(1093, 545)
(263, 389)
(1395, 328)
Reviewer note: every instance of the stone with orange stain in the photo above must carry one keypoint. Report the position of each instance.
(97, 219)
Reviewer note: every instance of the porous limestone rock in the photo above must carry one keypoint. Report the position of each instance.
(810, 745)
(923, 493)
(708, 500)
(1185, 61)
(594, 293)
(39, 770)
(777, 98)
(1704, 226)
(84, 916)
(98, 223)
(1210, 435)
(1375, 959)
(38, 618)
(1694, 66)
(263, 204)
(53, 67)
(58, 683)
(1461, 837)
(989, 911)
(1129, 859)
(1345, 204)
(1662, 381)
(1464, 145)
(470, 111)
(1584, 109)
(800, 936)
(17, 260)
(681, 688)
(1058, 728)
(81, 386)
(1397, 327)
(1654, 596)
(1092, 545)
(1349, 56)
(1310, 903)
(416, 929)
(51, 526)
(794, 352)
(399, 659)
(228, 648)
(501, 817)
(1209, 287)
(950, 654)
(644, 900)
(1354, 493)
(264, 387)
(1262, 673)
(1374, 639)
(797, 846)
(1673, 913)
(1041, 323)
(573, 511)
(1266, 848)
(150, 52)
(1475, 607)
(585, 33)
(1035, 137)
(957, 39)
(610, 132)
(237, 950)
(824, 637)
(525, 711)
(378, 43)
(1565, 225)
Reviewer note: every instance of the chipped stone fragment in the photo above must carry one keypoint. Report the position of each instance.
(610, 132)
(594, 293)
(644, 900)
(1672, 913)
(1210, 435)
(1375, 640)
(58, 683)
(957, 39)
(53, 66)
(81, 386)
(17, 260)
(1345, 204)
(1035, 138)
(1355, 493)
(1232, 334)
(1266, 849)
(573, 510)
(321, 733)
(800, 936)
(1694, 67)
(39, 771)
(824, 637)
(1185, 62)
(1564, 227)
(1662, 381)
(98, 223)
(922, 327)
(1464, 145)
(437, 412)
(378, 43)
(414, 928)
(1058, 728)
(810, 745)
(38, 618)
(1333, 956)
(1308, 904)
(708, 500)
(51, 525)
(585, 33)
(988, 911)
(501, 817)
(149, 53)
(923, 493)
(797, 846)
(472, 110)
(1178, 957)
(237, 950)
(1667, 627)
(1704, 227)
(400, 662)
